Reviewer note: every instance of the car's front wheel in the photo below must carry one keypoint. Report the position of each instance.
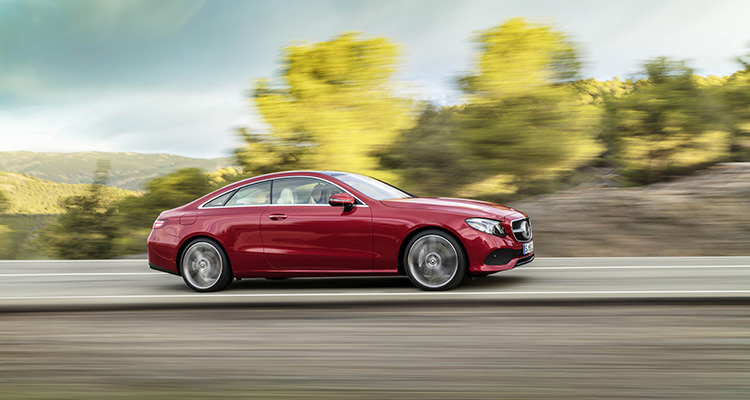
(205, 266)
(434, 260)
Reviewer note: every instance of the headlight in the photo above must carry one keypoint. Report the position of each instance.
(487, 226)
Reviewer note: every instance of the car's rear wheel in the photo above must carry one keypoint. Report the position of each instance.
(434, 260)
(205, 266)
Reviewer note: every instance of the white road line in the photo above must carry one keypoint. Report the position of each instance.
(374, 294)
(143, 260)
(82, 274)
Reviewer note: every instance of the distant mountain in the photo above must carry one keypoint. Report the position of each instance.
(128, 170)
(33, 196)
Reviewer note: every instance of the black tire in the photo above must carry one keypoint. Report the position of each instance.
(204, 266)
(435, 260)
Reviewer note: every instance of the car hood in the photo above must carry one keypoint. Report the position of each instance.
(471, 208)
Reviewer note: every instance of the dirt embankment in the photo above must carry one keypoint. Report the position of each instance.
(703, 215)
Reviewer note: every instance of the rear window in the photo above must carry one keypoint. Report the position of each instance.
(221, 200)
(252, 195)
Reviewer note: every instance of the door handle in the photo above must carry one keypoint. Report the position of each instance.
(277, 217)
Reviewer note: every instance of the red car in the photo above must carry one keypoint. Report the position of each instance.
(310, 223)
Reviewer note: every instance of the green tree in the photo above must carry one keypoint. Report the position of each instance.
(667, 127)
(7, 243)
(4, 202)
(265, 153)
(735, 96)
(429, 156)
(7, 246)
(335, 107)
(518, 56)
(522, 124)
(592, 91)
(84, 230)
(134, 215)
(224, 176)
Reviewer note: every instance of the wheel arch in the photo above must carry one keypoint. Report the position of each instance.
(190, 239)
(415, 232)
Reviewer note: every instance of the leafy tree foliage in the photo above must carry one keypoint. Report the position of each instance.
(592, 91)
(32, 204)
(4, 202)
(6, 233)
(734, 93)
(265, 153)
(163, 193)
(521, 124)
(334, 108)
(429, 156)
(224, 176)
(518, 56)
(136, 214)
(84, 230)
(34, 196)
(668, 126)
(7, 247)
(662, 70)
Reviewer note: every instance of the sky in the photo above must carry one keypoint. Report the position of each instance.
(172, 76)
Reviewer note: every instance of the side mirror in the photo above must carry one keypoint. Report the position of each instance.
(342, 200)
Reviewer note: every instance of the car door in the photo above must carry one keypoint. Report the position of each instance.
(234, 218)
(301, 231)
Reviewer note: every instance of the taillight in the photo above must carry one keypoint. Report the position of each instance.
(159, 223)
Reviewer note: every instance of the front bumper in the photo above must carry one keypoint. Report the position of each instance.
(488, 253)
(515, 262)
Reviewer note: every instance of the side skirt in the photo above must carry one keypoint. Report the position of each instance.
(315, 273)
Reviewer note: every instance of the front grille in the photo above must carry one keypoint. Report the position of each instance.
(521, 229)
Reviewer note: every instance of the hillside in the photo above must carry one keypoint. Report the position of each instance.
(33, 196)
(702, 215)
(128, 170)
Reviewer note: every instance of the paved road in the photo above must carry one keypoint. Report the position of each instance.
(659, 328)
(381, 351)
(122, 283)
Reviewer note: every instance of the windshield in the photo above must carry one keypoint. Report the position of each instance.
(370, 187)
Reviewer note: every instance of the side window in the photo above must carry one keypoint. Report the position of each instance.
(251, 195)
(302, 191)
(220, 201)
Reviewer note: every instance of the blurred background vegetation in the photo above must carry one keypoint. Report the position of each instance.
(529, 124)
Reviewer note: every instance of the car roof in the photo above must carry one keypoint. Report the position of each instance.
(281, 174)
(272, 175)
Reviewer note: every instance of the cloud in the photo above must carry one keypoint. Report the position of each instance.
(198, 124)
(91, 20)
(45, 43)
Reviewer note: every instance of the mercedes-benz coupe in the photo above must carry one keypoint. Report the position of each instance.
(325, 223)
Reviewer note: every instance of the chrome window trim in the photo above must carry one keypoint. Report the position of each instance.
(203, 206)
(232, 191)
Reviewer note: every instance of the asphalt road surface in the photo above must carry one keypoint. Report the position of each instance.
(129, 283)
(658, 328)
